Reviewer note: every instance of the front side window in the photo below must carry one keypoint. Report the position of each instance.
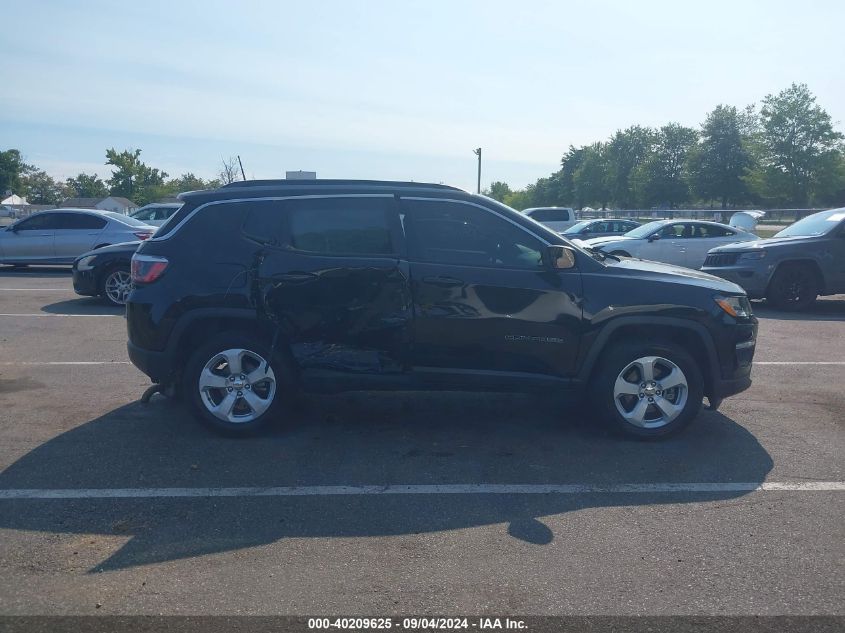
(146, 214)
(460, 234)
(550, 215)
(39, 222)
(341, 226)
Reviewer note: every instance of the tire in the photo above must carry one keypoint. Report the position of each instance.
(243, 405)
(116, 285)
(794, 287)
(618, 382)
(620, 254)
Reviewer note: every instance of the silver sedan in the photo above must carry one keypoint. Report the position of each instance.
(59, 236)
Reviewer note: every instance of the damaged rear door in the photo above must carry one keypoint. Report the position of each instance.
(332, 282)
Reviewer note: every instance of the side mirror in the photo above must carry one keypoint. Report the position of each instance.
(653, 236)
(561, 257)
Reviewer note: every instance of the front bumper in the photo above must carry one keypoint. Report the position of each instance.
(754, 281)
(85, 283)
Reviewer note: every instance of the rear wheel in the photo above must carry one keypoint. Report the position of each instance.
(794, 287)
(234, 383)
(647, 390)
(116, 285)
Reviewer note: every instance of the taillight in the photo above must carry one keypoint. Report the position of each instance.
(147, 268)
(143, 235)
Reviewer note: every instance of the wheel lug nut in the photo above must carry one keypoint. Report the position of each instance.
(229, 388)
(651, 399)
(642, 395)
(240, 393)
(246, 386)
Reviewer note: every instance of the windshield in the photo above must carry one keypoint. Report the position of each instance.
(576, 228)
(124, 218)
(816, 224)
(645, 230)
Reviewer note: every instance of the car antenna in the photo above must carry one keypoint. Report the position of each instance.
(242, 167)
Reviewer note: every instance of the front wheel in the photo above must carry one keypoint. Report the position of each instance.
(794, 287)
(232, 383)
(647, 391)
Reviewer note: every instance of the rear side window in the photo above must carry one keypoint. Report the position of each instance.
(80, 221)
(341, 226)
(265, 222)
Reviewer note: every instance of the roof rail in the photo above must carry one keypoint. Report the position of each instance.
(328, 182)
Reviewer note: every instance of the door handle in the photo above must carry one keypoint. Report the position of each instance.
(296, 277)
(444, 282)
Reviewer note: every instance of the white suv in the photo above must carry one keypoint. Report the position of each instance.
(556, 218)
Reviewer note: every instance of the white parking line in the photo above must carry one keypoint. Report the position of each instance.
(36, 289)
(419, 489)
(51, 314)
(799, 362)
(65, 362)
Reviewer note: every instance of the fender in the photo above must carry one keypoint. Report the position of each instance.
(696, 329)
(198, 314)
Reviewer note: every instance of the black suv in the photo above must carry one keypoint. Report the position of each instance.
(791, 269)
(260, 289)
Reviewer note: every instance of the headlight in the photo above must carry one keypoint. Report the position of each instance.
(85, 263)
(737, 307)
(752, 255)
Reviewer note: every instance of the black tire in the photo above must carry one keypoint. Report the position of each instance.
(616, 360)
(793, 287)
(124, 268)
(621, 254)
(199, 402)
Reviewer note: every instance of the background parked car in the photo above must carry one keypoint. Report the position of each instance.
(599, 228)
(156, 213)
(59, 236)
(679, 242)
(105, 272)
(792, 268)
(556, 218)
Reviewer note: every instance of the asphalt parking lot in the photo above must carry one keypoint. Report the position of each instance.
(375, 504)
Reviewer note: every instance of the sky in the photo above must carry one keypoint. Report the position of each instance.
(400, 90)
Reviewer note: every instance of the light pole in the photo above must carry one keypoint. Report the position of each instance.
(477, 152)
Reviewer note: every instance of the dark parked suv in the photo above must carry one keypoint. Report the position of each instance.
(791, 269)
(257, 290)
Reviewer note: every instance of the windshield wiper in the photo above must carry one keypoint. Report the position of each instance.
(601, 255)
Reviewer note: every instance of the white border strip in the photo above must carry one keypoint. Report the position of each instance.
(35, 289)
(39, 363)
(798, 362)
(419, 489)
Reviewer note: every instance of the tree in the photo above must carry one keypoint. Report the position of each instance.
(132, 178)
(12, 168)
(190, 182)
(625, 152)
(660, 180)
(498, 191)
(40, 188)
(230, 170)
(85, 186)
(800, 144)
(565, 177)
(591, 181)
(718, 165)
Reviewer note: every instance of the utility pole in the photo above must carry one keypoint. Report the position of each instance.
(477, 152)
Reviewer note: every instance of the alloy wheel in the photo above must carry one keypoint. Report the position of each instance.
(117, 286)
(650, 392)
(237, 385)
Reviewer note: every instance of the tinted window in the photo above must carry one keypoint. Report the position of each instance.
(708, 230)
(39, 222)
(550, 215)
(341, 226)
(455, 233)
(80, 221)
(675, 231)
(264, 222)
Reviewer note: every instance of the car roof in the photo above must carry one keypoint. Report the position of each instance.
(261, 188)
(159, 204)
